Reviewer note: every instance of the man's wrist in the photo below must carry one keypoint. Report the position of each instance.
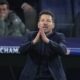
(33, 41)
(47, 40)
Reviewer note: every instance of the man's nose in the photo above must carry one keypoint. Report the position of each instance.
(45, 23)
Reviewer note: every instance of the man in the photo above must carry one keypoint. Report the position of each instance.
(29, 16)
(43, 49)
(10, 23)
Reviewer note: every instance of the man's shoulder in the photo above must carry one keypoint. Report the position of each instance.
(12, 13)
(59, 34)
(13, 17)
(31, 33)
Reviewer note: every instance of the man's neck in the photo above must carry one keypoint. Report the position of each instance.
(48, 33)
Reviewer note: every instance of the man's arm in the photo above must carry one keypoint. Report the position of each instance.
(26, 45)
(29, 42)
(59, 48)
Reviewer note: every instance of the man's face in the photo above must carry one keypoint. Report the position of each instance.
(4, 10)
(46, 22)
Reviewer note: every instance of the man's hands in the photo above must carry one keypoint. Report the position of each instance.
(37, 38)
(40, 35)
(43, 36)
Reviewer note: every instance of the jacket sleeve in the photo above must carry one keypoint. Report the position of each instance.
(26, 46)
(58, 48)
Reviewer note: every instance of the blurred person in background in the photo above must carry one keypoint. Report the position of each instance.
(29, 16)
(10, 23)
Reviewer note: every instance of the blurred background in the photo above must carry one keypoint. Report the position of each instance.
(67, 14)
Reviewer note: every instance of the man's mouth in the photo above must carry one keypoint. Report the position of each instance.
(45, 27)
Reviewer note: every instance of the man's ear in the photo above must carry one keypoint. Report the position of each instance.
(53, 26)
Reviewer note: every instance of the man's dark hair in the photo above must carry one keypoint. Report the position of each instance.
(47, 12)
(4, 2)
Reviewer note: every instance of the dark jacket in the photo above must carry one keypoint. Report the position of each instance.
(53, 50)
